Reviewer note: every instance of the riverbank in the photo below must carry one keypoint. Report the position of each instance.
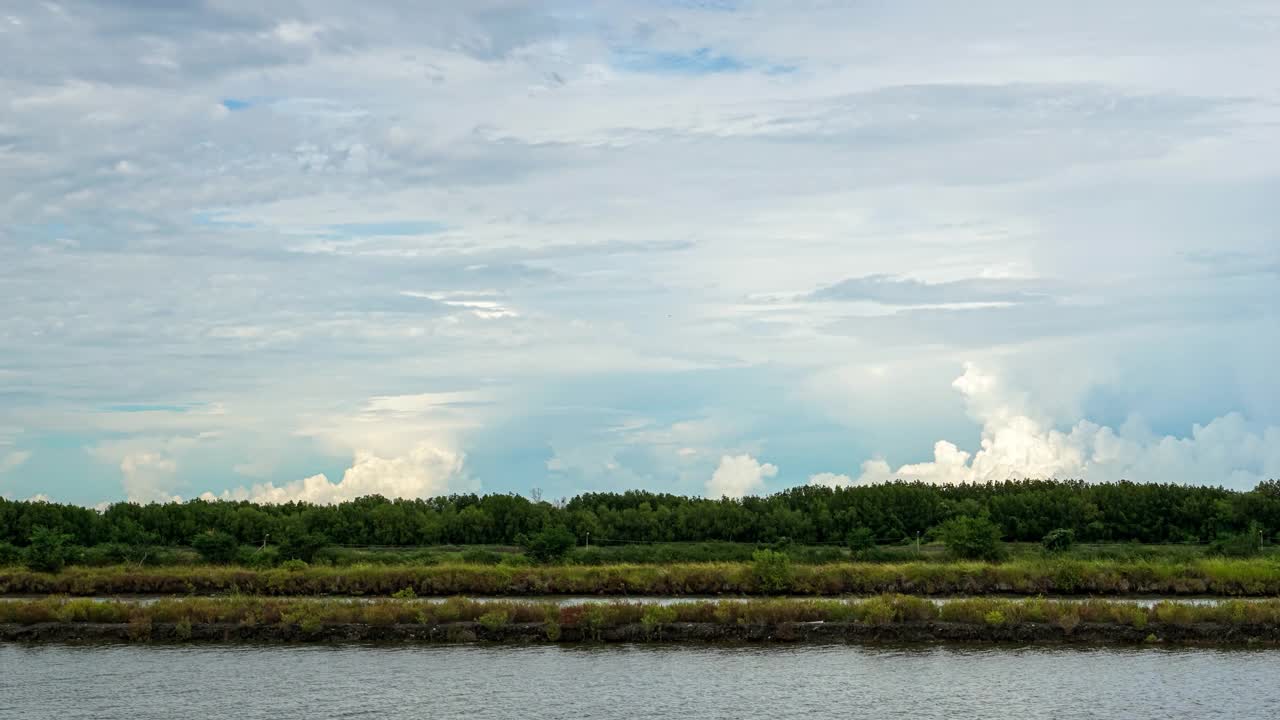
(1215, 577)
(886, 619)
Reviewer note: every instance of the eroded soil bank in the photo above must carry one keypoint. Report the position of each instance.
(1202, 634)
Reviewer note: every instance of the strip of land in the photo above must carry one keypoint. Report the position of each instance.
(1213, 577)
(890, 618)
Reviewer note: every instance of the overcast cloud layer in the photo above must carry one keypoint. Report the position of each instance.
(319, 249)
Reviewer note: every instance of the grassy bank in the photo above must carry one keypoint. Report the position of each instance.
(1025, 577)
(885, 618)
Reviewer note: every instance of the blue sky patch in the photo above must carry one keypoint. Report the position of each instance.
(702, 61)
(234, 104)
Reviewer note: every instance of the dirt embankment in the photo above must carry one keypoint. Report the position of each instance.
(905, 632)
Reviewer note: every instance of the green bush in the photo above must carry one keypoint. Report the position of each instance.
(215, 546)
(971, 538)
(294, 565)
(48, 551)
(494, 619)
(551, 544)
(771, 570)
(655, 616)
(1060, 540)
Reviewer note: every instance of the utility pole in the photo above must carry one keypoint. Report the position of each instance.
(917, 543)
(588, 539)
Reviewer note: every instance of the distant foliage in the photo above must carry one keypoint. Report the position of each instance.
(808, 516)
(971, 538)
(10, 554)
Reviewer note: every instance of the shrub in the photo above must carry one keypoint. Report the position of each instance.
(551, 544)
(1059, 540)
(971, 538)
(655, 616)
(771, 570)
(215, 546)
(994, 618)
(404, 594)
(294, 565)
(48, 551)
(494, 619)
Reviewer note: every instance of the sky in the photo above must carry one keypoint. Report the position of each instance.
(318, 249)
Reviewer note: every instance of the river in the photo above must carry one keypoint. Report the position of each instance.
(127, 682)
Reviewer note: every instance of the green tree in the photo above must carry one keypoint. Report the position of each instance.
(971, 538)
(49, 549)
(215, 546)
(550, 544)
(861, 541)
(303, 546)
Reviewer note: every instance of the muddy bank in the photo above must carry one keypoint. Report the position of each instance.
(1204, 634)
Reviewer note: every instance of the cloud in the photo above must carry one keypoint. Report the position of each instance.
(738, 476)
(148, 477)
(303, 206)
(426, 471)
(10, 461)
(1016, 443)
(827, 479)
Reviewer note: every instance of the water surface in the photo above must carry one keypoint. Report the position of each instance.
(125, 682)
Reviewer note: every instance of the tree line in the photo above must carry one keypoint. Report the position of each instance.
(1025, 510)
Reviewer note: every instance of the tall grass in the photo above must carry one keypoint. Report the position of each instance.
(1233, 578)
(880, 610)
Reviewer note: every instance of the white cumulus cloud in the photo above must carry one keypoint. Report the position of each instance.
(830, 480)
(739, 475)
(148, 476)
(1229, 450)
(425, 471)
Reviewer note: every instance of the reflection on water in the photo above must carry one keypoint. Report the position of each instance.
(280, 682)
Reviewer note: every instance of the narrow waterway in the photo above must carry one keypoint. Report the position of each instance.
(120, 682)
